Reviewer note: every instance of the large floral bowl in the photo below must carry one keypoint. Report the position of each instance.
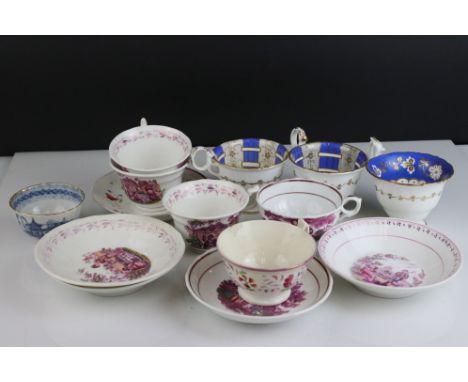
(42, 207)
(409, 184)
(266, 259)
(110, 250)
(319, 205)
(338, 164)
(150, 149)
(202, 209)
(388, 257)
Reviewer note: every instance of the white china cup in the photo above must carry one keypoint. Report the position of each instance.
(146, 191)
(317, 204)
(388, 257)
(265, 258)
(150, 149)
(337, 164)
(202, 209)
(409, 184)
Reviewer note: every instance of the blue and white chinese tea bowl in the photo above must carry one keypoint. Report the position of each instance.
(409, 184)
(248, 161)
(41, 207)
(337, 164)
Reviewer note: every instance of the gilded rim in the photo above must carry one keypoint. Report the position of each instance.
(364, 165)
(407, 184)
(25, 189)
(213, 158)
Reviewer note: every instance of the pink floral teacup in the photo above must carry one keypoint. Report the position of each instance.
(202, 209)
(266, 259)
(318, 204)
(146, 191)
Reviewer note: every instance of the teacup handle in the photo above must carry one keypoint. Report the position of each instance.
(348, 213)
(143, 122)
(208, 165)
(298, 137)
(376, 147)
(302, 224)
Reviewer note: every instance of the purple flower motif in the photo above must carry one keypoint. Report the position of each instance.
(204, 234)
(317, 225)
(142, 191)
(229, 297)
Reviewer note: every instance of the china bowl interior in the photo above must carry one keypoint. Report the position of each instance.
(110, 250)
(150, 148)
(299, 198)
(250, 153)
(328, 157)
(389, 253)
(47, 199)
(409, 167)
(205, 199)
(266, 245)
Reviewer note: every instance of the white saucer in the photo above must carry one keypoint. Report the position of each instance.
(108, 193)
(111, 291)
(209, 283)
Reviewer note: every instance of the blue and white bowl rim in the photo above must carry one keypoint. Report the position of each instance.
(436, 157)
(46, 184)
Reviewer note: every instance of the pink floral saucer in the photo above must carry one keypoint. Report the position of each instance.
(209, 283)
(108, 193)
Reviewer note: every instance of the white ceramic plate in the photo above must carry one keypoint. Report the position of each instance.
(111, 291)
(108, 193)
(209, 283)
(389, 257)
(110, 250)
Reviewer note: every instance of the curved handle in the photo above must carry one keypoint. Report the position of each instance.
(348, 213)
(302, 224)
(208, 156)
(376, 147)
(143, 122)
(298, 137)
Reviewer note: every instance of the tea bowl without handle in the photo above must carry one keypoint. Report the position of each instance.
(202, 209)
(42, 207)
(265, 258)
(320, 205)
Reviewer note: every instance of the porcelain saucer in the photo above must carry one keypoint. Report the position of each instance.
(108, 193)
(112, 291)
(209, 283)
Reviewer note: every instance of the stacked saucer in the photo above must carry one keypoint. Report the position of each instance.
(110, 255)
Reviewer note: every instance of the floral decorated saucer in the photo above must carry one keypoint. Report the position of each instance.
(108, 193)
(208, 282)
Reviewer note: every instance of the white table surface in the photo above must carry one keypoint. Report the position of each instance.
(4, 163)
(36, 310)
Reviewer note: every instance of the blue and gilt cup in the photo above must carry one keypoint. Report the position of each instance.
(41, 207)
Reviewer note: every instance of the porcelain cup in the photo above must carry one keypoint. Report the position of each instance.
(318, 204)
(266, 258)
(150, 149)
(41, 207)
(337, 164)
(146, 191)
(249, 162)
(409, 184)
(202, 209)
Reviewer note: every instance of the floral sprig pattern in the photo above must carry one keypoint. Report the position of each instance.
(205, 188)
(152, 133)
(435, 171)
(228, 296)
